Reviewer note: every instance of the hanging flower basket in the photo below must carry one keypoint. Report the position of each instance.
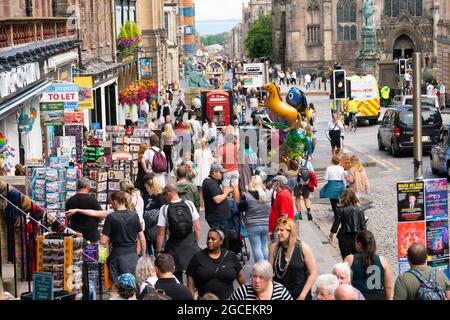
(129, 38)
(137, 92)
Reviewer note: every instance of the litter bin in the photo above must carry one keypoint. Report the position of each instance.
(57, 295)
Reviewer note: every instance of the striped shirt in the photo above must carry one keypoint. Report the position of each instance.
(246, 292)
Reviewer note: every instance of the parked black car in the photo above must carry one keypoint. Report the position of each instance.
(396, 129)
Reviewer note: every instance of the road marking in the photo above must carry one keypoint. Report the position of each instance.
(375, 158)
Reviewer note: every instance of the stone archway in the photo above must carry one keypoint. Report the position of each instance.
(403, 47)
(401, 37)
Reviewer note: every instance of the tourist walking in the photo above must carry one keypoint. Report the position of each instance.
(350, 219)
(214, 269)
(292, 260)
(182, 221)
(335, 186)
(256, 203)
(203, 158)
(367, 263)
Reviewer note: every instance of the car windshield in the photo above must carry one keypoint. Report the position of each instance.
(426, 102)
(428, 118)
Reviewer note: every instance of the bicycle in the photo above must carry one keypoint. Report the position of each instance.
(353, 122)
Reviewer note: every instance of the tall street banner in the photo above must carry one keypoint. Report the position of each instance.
(67, 93)
(85, 92)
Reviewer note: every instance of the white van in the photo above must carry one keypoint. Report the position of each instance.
(427, 101)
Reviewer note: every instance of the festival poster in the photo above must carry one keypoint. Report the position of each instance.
(85, 92)
(408, 233)
(442, 264)
(410, 202)
(436, 199)
(437, 239)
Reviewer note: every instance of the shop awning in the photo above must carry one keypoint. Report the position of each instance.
(11, 105)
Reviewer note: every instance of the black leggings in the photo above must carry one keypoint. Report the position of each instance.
(347, 244)
(334, 203)
(168, 151)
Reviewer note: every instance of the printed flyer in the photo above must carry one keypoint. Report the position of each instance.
(408, 233)
(436, 199)
(437, 239)
(410, 201)
(442, 264)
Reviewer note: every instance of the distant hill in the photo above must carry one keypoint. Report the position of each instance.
(208, 27)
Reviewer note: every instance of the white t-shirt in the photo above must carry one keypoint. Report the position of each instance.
(408, 77)
(307, 78)
(335, 126)
(209, 132)
(162, 220)
(442, 89)
(139, 206)
(197, 103)
(150, 281)
(196, 126)
(335, 172)
(253, 103)
(430, 89)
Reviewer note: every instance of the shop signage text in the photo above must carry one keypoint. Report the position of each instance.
(62, 92)
(18, 78)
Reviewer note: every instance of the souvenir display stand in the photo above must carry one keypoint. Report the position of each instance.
(62, 255)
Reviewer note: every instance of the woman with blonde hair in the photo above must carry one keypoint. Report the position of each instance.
(357, 178)
(292, 260)
(256, 202)
(137, 203)
(203, 158)
(139, 183)
(145, 272)
(167, 138)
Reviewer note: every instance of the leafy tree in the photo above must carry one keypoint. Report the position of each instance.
(213, 39)
(259, 39)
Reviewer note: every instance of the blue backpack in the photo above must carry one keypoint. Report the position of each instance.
(429, 289)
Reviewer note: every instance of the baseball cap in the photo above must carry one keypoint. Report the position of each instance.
(217, 168)
(281, 179)
(127, 281)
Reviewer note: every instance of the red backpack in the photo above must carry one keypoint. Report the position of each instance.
(159, 163)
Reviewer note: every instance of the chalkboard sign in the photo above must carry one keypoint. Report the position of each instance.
(43, 286)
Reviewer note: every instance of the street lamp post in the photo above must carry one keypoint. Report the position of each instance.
(417, 115)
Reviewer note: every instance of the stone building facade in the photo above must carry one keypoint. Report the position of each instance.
(311, 35)
(443, 44)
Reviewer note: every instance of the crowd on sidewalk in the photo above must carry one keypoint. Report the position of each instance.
(153, 228)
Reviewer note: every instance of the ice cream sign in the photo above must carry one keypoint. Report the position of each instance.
(62, 92)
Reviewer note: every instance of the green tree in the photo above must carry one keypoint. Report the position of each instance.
(259, 39)
(213, 39)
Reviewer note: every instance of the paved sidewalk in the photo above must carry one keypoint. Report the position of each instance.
(326, 255)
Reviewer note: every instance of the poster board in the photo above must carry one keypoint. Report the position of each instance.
(422, 210)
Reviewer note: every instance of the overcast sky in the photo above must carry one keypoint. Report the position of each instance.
(218, 9)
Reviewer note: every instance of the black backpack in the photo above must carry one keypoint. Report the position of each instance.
(179, 219)
(151, 217)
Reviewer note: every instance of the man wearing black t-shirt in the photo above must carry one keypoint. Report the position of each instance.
(165, 266)
(87, 225)
(217, 208)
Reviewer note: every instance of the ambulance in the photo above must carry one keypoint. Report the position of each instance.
(365, 91)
